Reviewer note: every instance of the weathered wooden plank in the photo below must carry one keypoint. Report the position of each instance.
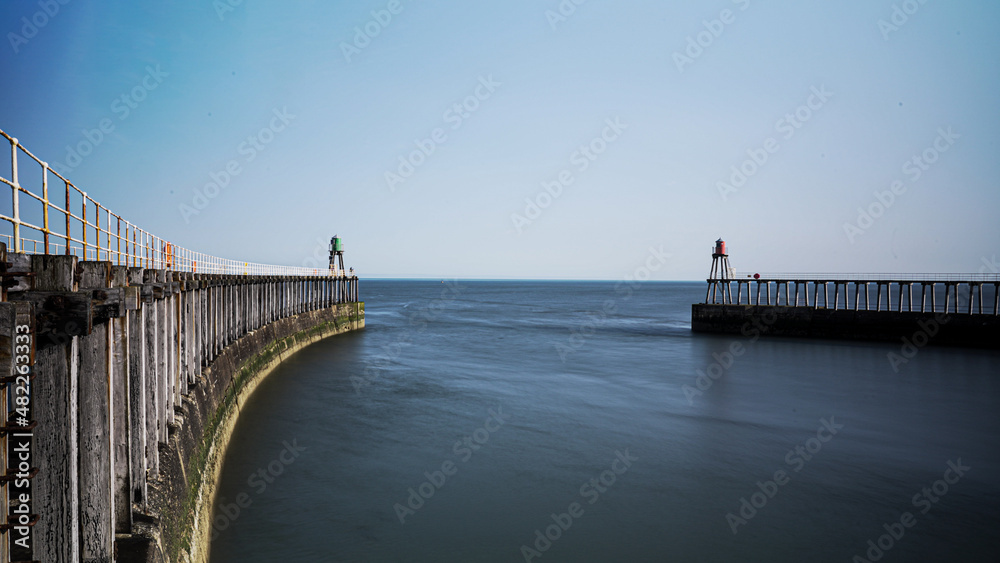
(137, 405)
(162, 362)
(54, 390)
(120, 416)
(96, 427)
(54, 273)
(60, 315)
(96, 473)
(149, 374)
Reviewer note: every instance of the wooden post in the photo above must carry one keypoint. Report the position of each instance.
(97, 510)
(163, 391)
(56, 440)
(121, 440)
(151, 376)
(137, 386)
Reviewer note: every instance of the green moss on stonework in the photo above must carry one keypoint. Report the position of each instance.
(181, 543)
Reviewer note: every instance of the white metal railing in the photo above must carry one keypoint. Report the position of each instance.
(872, 277)
(93, 232)
(970, 292)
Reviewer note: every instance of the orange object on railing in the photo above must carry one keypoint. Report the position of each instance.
(168, 255)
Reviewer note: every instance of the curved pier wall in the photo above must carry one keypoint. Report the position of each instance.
(136, 380)
(190, 465)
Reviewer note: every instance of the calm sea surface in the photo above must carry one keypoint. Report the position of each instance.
(560, 421)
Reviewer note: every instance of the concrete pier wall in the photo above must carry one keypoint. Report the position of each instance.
(953, 329)
(137, 377)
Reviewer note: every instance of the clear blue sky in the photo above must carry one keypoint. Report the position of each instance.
(547, 85)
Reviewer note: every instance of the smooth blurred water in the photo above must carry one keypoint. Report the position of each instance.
(582, 372)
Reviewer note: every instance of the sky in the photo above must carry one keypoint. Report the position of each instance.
(529, 139)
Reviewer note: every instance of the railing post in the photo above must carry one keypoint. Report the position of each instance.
(45, 204)
(69, 238)
(14, 191)
(84, 226)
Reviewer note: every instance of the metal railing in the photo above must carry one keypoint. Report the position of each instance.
(970, 292)
(872, 277)
(85, 228)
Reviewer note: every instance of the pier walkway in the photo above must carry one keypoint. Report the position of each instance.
(939, 309)
(124, 362)
(946, 293)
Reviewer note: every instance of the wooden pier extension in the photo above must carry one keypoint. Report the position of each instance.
(136, 375)
(965, 309)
